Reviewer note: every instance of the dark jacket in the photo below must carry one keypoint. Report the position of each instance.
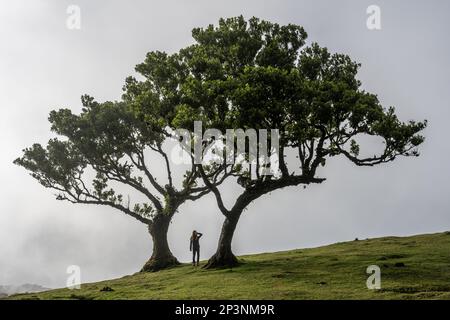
(195, 244)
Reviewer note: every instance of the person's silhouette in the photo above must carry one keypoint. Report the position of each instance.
(195, 247)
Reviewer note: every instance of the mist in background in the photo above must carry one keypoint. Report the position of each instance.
(45, 66)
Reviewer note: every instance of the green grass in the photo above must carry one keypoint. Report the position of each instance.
(336, 271)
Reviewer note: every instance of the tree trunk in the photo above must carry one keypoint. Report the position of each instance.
(224, 256)
(161, 257)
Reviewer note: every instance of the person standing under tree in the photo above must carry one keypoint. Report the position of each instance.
(195, 246)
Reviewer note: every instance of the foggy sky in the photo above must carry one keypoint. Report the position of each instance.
(44, 66)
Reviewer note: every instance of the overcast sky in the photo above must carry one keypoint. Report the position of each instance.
(44, 65)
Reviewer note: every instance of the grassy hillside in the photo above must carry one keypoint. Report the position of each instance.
(416, 267)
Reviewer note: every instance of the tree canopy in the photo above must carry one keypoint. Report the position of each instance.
(258, 74)
(239, 74)
(105, 146)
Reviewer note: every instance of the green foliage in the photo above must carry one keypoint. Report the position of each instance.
(354, 148)
(106, 138)
(258, 74)
(57, 164)
(240, 74)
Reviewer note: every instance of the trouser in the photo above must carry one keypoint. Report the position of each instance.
(195, 251)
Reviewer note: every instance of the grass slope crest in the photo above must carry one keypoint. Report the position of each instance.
(416, 267)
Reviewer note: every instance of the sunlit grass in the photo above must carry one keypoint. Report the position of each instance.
(336, 271)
